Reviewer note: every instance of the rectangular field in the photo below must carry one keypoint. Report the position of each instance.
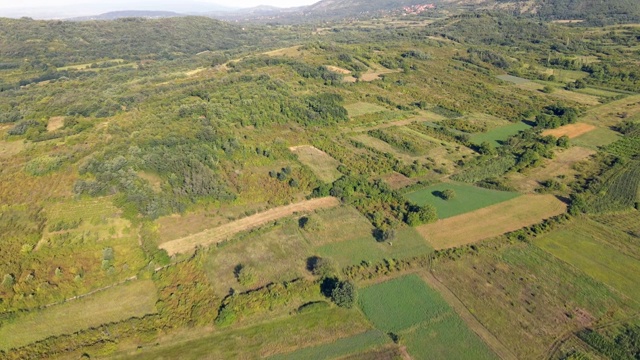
(513, 79)
(363, 108)
(137, 298)
(577, 246)
(339, 348)
(571, 131)
(491, 221)
(401, 303)
(610, 114)
(467, 198)
(497, 135)
(562, 94)
(324, 166)
(328, 226)
(597, 138)
(407, 243)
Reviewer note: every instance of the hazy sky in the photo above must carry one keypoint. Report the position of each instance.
(235, 3)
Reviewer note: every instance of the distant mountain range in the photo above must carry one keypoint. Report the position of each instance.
(114, 15)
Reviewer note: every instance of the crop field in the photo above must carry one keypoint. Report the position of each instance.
(527, 298)
(559, 168)
(611, 113)
(498, 135)
(328, 226)
(513, 79)
(213, 236)
(467, 198)
(628, 222)
(262, 340)
(339, 348)
(275, 255)
(619, 189)
(446, 338)
(561, 94)
(571, 131)
(628, 146)
(491, 221)
(363, 108)
(137, 298)
(324, 166)
(577, 246)
(596, 138)
(401, 303)
(429, 327)
(407, 243)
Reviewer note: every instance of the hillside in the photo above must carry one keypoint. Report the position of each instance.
(114, 15)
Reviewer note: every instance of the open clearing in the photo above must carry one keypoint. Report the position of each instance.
(628, 222)
(363, 108)
(324, 166)
(408, 243)
(597, 138)
(468, 198)
(261, 340)
(528, 298)
(513, 79)
(328, 226)
(561, 166)
(580, 247)
(212, 236)
(571, 131)
(398, 181)
(338, 70)
(55, 123)
(384, 147)
(497, 135)
(293, 51)
(408, 307)
(134, 299)
(10, 148)
(339, 348)
(562, 94)
(491, 221)
(612, 113)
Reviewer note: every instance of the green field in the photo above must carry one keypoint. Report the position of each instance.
(578, 246)
(339, 348)
(446, 338)
(468, 198)
(513, 79)
(134, 299)
(401, 303)
(363, 108)
(330, 225)
(499, 134)
(408, 243)
(596, 138)
(276, 337)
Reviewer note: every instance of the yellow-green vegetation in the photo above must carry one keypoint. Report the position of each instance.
(417, 316)
(497, 136)
(362, 108)
(339, 348)
(596, 138)
(324, 166)
(599, 253)
(467, 198)
(261, 340)
(328, 226)
(132, 299)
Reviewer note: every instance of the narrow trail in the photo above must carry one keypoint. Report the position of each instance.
(472, 322)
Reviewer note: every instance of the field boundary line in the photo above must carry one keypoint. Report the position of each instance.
(226, 231)
(472, 322)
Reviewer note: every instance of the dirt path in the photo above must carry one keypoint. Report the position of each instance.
(405, 353)
(224, 232)
(499, 348)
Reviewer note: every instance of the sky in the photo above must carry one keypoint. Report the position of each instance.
(7, 4)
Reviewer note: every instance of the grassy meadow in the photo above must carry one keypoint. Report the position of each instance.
(497, 136)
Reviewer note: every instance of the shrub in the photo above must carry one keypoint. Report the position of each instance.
(344, 294)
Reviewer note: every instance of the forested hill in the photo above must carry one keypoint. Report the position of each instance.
(596, 12)
(63, 42)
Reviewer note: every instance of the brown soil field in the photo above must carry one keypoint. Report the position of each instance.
(55, 123)
(491, 221)
(323, 165)
(571, 130)
(224, 232)
(562, 164)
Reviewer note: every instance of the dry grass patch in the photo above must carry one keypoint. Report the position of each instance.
(154, 180)
(10, 148)
(293, 51)
(324, 166)
(491, 221)
(571, 130)
(560, 166)
(612, 113)
(224, 232)
(338, 70)
(363, 108)
(562, 94)
(55, 123)
(398, 181)
(118, 303)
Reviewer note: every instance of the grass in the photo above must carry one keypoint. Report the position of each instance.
(498, 135)
(408, 243)
(121, 302)
(447, 338)
(363, 108)
(597, 92)
(561, 94)
(578, 246)
(339, 348)
(10, 148)
(331, 225)
(513, 79)
(491, 221)
(571, 131)
(279, 336)
(596, 138)
(628, 222)
(401, 303)
(609, 114)
(527, 298)
(324, 166)
(468, 198)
